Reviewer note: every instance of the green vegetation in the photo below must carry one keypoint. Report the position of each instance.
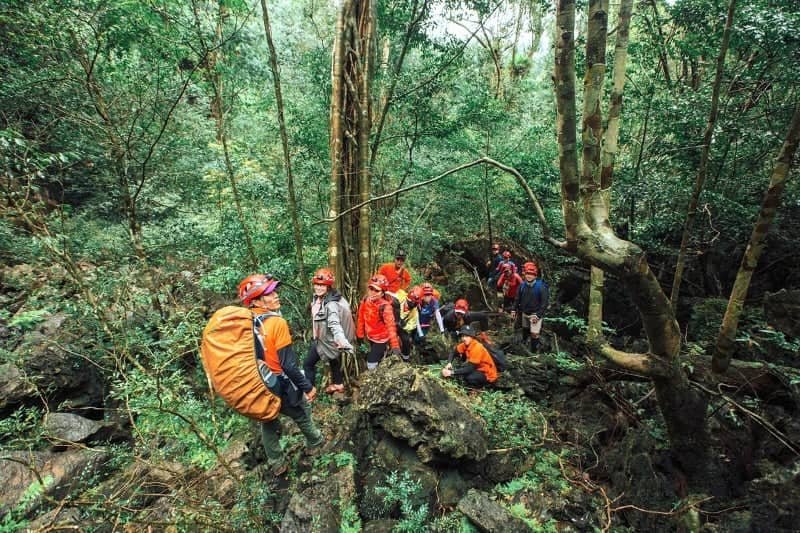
(511, 421)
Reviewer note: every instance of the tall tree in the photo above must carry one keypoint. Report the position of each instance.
(351, 121)
(608, 156)
(591, 238)
(702, 169)
(723, 350)
(287, 160)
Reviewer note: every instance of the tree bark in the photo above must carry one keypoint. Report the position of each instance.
(703, 167)
(589, 239)
(287, 161)
(724, 348)
(351, 121)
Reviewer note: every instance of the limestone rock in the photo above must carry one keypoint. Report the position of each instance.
(68, 427)
(488, 515)
(15, 388)
(319, 507)
(414, 407)
(60, 473)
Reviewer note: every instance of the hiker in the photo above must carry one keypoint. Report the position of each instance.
(396, 273)
(459, 315)
(497, 257)
(399, 306)
(531, 304)
(506, 261)
(332, 328)
(409, 320)
(376, 322)
(427, 309)
(508, 284)
(260, 293)
(479, 369)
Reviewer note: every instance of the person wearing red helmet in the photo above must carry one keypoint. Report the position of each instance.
(507, 285)
(427, 309)
(333, 329)
(459, 315)
(531, 304)
(376, 321)
(397, 275)
(259, 292)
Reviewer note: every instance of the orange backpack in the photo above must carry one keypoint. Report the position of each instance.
(228, 351)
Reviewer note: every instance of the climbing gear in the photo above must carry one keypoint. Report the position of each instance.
(378, 282)
(323, 276)
(232, 352)
(530, 268)
(461, 306)
(257, 285)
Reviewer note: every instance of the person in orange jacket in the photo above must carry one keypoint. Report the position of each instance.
(508, 284)
(376, 322)
(396, 273)
(479, 369)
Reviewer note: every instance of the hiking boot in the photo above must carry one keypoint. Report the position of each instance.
(279, 469)
(311, 445)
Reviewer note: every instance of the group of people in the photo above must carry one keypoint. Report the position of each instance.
(391, 318)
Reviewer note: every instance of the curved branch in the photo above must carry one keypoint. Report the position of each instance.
(646, 364)
(483, 160)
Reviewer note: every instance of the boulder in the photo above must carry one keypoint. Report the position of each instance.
(67, 427)
(319, 507)
(783, 311)
(488, 515)
(416, 408)
(15, 388)
(22, 475)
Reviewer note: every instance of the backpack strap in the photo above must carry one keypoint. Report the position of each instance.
(258, 338)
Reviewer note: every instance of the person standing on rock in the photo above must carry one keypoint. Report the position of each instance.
(332, 328)
(479, 369)
(376, 321)
(260, 293)
(508, 284)
(531, 304)
(397, 275)
(492, 265)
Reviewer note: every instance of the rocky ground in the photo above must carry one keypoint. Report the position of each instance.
(561, 443)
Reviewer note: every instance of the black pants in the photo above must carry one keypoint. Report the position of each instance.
(310, 366)
(475, 379)
(405, 342)
(376, 352)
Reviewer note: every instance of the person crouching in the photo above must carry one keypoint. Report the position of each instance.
(479, 369)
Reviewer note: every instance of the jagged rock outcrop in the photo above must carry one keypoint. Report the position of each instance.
(70, 428)
(32, 476)
(416, 408)
(489, 516)
(320, 506)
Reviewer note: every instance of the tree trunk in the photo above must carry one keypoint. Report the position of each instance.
(593, 241)
(703, 167)
(608, 156)
(723, 350)
(218, 111)
(351, 121)
(287, 161)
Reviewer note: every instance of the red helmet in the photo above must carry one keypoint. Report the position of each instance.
(427, 289)
(415, 294)
(508, 267)
(323, 276)
(506, 255)
(530, 268)
(461, 306)
(379, 282)
(255, 286)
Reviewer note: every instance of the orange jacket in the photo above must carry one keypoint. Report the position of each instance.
(397, 279)
(376, 321)
(479, 356)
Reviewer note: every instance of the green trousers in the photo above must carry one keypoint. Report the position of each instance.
(270, 431)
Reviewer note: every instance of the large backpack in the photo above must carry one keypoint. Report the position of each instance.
(232, 357)
(498, 356)
(395, 309)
